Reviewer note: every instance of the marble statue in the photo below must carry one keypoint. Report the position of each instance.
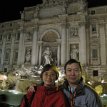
(74, 52)
(47, 54)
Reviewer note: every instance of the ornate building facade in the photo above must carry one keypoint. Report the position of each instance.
(67, 27)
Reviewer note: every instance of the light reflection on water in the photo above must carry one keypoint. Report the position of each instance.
(15, 91)
(104, 99)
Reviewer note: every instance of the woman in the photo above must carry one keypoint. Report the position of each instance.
(47, 94)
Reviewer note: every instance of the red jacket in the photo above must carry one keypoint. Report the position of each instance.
(46, 98)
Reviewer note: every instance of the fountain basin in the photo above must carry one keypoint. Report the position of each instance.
(13, 97)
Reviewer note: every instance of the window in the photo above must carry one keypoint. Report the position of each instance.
(9, 37)
(0, 37)
(94, 53)
(94, 29)
(95, 72)
(7, 54)
(17, 37)
(92, 12)
(5, 69)
(15, 57)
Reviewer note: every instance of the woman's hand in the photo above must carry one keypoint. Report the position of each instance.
(31, 89)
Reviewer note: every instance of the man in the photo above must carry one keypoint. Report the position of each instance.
(77, 94)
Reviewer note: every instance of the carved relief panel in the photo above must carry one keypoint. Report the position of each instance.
(74, 32)
(94, 55)
(28, 37)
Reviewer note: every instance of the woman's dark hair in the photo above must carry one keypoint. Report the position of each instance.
(70, 62)
(48, 67)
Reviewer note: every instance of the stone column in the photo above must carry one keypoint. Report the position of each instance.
(106, 40)
(3, 48)
(103, 44)
(68, 46)
(63, 45)
(12, 49)
(63, 38)
(58, 52)
(82, 46)
(34, 48)
(40, 51)
(21, 48)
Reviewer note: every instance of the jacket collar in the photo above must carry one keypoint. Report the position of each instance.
(79, 89)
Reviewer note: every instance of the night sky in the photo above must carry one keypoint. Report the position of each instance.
(10, 9)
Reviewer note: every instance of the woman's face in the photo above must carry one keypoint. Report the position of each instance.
(49, 77)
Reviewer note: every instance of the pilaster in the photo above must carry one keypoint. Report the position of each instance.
(34, 47)
(82, 46)
(12, 49)
(58, 51)
(63, 19)
(21, 48)
(3, 49)
(103, 44)
(40, 51)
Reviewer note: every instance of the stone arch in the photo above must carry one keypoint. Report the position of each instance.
(49, 39)
(48, 31)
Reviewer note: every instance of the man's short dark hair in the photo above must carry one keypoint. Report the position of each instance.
(72, 61)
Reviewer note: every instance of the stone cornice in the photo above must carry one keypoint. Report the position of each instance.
(98, 16)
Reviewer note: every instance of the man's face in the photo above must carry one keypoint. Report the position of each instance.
(73, 73)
